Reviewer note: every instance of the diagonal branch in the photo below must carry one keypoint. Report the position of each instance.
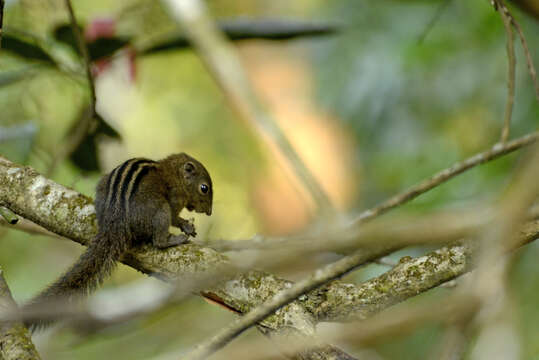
(70, 214)
(86, 119)
(8, 216)
(491, 280)
(83, 49)
(529, 60)
(408, 279)
(244, 28)
(309, 242)
(511, 69)
(508, 18)
(437, 14)
(224, 65)
(440, 177)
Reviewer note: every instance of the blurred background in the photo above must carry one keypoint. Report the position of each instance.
(400, 90)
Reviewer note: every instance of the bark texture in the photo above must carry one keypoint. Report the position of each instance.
(70, 214)
(15, 341)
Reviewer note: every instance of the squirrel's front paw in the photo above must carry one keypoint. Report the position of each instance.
(188, 228)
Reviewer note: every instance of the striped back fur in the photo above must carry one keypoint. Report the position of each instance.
(112, 241)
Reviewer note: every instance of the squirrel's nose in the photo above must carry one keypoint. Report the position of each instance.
(208, 212)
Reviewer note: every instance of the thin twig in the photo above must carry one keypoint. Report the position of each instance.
(267, 28)
(8, 215)
(491, 280)
(318, 278)
(529, 60)
(505, 14)
(331, 272)
(439, 11)
(393, 323)
(511, 69)
(453, 343)
(29, 227)
(445, 175)
(225, 66)
(242, 28)
(83, 49)
(87, 117)
(26, 194)
(497, 151)
(91, 315)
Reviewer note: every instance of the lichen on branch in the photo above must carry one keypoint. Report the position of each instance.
(70, 214)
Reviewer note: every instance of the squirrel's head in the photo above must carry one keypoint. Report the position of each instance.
(197, 183)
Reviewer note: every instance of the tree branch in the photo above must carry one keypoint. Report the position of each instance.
(419, 231)
(86, 119)
(410, 278)
(511, 69)
(70, 214)
(83, 49)
(224, 65)
(440, 177)
(394, 322)
(437, 14)
(242, 28)
(506, 15)
(8, 216)
(513, 210)
(15, 341)
(529, 60)
(491, 279)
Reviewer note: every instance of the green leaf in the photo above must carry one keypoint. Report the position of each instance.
(24, 47)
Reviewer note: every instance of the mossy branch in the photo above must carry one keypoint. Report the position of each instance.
(70, 214)
(15, 341)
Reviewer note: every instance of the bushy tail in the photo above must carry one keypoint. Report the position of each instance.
(93, 266)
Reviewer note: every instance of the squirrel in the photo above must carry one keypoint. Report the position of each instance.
(136, 202)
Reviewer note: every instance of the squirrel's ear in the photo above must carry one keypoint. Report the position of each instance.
(188, 168)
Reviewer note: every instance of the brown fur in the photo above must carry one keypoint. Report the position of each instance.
(135, 203)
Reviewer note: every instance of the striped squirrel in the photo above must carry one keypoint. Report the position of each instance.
(135, 203)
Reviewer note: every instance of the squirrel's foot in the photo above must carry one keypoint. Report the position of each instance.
(188, 227)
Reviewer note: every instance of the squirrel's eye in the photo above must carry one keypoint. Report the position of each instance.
(204, 188)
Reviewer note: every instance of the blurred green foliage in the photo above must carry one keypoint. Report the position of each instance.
(418, 106)
(417, 99)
